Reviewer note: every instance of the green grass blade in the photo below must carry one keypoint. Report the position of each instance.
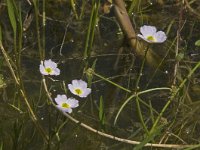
(193, 147)
(1, 146)
(13, 20)
(11, 14)
(20, 27)
(94, 23)
(88, 33)
(132, 98)
(101, 111)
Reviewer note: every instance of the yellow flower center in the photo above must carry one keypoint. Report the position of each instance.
(65, 105)
(151, 38)
(78, 91)
(48, 70)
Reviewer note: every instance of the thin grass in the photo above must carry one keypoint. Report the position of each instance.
(133, 96)
(174, 94)
(16, 23)
(91, 28)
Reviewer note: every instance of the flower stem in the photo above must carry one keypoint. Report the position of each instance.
(137, 98)
(134, 95)
(117, 85)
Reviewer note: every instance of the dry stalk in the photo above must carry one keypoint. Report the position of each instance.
(126, 25)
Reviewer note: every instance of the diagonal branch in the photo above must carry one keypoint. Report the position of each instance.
(126, 25)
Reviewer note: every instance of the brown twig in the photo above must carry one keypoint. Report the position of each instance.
(126, 25)
(180, 27)
(191, 9)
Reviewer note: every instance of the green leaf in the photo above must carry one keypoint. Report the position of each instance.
(197, 43)
(11, 14)
(101, 111)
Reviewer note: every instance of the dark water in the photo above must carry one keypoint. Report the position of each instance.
(115, 60)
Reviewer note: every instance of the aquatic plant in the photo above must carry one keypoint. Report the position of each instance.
(137, 93)
(79, 88)
(151, 35)
(66, 104)
(49, 67)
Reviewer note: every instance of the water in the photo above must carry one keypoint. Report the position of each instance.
(65, 38)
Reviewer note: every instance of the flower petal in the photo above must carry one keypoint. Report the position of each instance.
(147, 30)
(71, 88)
(75, 83)
(82, 84)
(60, 99)
(160, 36)
(73, 102)
(141, 36)
(56, 71)
(50, 63)
(48, 67)
(69, 110)
(42, 70)
(79, 85)
(150, 35)
(86, 92)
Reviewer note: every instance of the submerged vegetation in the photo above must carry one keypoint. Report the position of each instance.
(100, 74)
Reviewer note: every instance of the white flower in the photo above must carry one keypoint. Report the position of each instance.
(66, 104)
(79, 87)
(150, 34)
(48, 67)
